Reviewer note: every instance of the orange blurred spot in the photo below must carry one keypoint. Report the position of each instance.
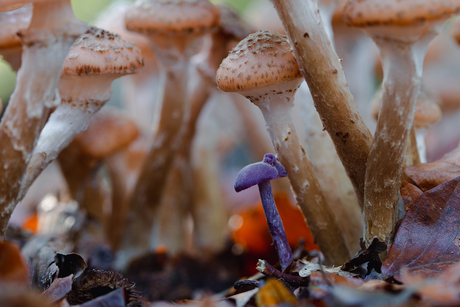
(254, 236)
(31, 223)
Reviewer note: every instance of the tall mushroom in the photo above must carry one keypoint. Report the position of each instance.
(174, 28)
(95, 60)
(323, 72)
(262, 68)
(51, 33)
(402, 31)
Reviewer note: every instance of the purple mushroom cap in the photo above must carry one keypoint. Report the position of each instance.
(259, 172)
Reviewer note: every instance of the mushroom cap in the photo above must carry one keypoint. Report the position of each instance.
(172, 17)
(337, 17)
(112, 19)
(11, 23)
(263, 58)
(427, 110)
(259, 172)
(107, 132)
(101, 52)
(365, 13)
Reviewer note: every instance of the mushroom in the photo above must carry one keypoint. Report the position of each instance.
(358, 55)
(174, 29)
(209, 215)
(323, 72)
(261, 173)
(95, 60)
(10, 43)
(107, 134)
(263, 69)
(52, 31)
(427, 112)
(138, 91)
(402, 31)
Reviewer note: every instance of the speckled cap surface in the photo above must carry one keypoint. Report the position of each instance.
(363, 13)
(261, 59)
(11, 23)
(101, 52)
(173, 17)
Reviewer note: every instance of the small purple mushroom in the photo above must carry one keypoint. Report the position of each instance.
(261, 173)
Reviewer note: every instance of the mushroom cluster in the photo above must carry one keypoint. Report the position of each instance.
(150, 173)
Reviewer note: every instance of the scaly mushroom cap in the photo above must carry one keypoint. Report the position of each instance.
(107, 132)
(11, 23)
(101, 52)
(172, 17)
(427, 110)
(364, 13)
(261, 59)
(252, 174)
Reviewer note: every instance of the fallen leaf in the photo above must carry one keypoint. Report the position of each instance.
(116, 298)
(430, 175)
(58, 289)
(241, 299)
(274, 293)
(427, 240)
(409, 194)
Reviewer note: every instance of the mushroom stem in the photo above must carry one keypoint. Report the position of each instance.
(304, 183)
(69, 119)
(402, 65)
(323, 72)
(420, 135)
(148, 191)
(51, 33)
(275, 225)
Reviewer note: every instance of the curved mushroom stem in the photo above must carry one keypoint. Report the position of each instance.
(402, 64)
(275, 225)
(305, 185)
(51, 33)
(69, 119)
(323, 72)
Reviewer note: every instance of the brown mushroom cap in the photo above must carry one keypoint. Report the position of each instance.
(107, 132)
(363, 13)
(261, 59)
(427, 110)
(172, 17)
(101, 52)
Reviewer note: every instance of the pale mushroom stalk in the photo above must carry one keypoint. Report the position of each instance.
(402, 61)
(85, 88)
(323, 72)
(52, 31)
(169, 227)
(174, 39)
(402, 32)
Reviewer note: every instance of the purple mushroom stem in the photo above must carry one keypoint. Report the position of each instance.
(261, 173)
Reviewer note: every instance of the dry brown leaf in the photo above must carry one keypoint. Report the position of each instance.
(430, 175)
(427, 240)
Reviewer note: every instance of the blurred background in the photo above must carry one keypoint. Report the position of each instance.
(86, 10)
